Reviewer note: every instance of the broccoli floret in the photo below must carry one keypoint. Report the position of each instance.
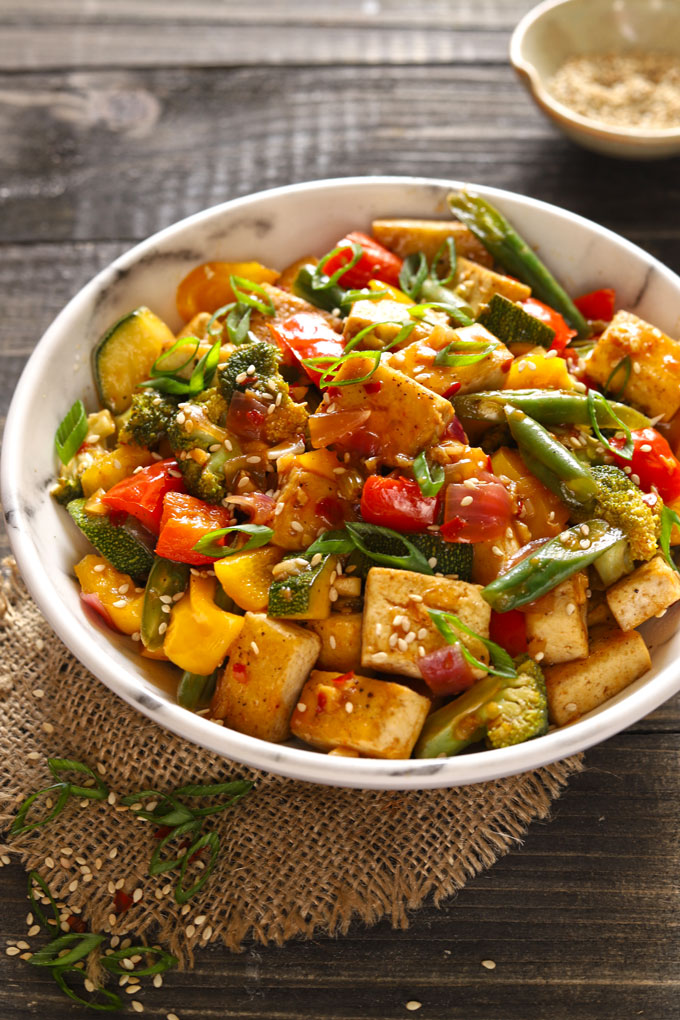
(520, 711)
(254, 369)
(147, 421)
(502, 710)
(622, 505)
(192, 435)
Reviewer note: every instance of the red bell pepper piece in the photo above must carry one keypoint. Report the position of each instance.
(653, 463)
(397, 503)
(563, 331)
(186, 519)
(376, 262)
(308, 335)
(597, 304)
(509, 630)
(142, 494)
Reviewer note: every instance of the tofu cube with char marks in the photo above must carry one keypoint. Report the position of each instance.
(340, 635)
(645, 593)
(615, 660)
(259, 687)
(388, 317)
(654, 382)
(398, 630)
(557, 630)
(417, 361)
(405, 416)
(476, 285)
(407, 237)
(374, 718)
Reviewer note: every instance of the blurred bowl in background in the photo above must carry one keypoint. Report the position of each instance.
(557, 30)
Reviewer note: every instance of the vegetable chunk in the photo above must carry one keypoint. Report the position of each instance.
(645, 593)
(654, 382)
(340, 637)
(406, 237)
(396, 607)
(476, 285)
(418, 361)
(268, 664)
(556, 623)
(616, 659)
(374, 717)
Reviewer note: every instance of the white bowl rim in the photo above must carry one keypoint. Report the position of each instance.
(306, 765)
(636, 135)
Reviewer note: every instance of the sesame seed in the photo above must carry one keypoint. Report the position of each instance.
(162, 628)
(254, 647)
(636, 367)
(333, 594)
(111, 799)
(228, 444)
(646, 448)
(584, 543)
(296, 526)
(100, 567)
(421, 651)
(136, 636)
(171, 1016)
(253, 460)
(571, 707)
(332, 642)
(23, 945)
(378, 629)
(113, 853)
(279, 397)
(466, 500)
(112, 920)
(539, 656)
(120, 604)
(402, 645)
(49, 862)
(489, 964)
(136, 1004)
(165, 599)
(413, 1004)
(166, 609)
(157, 980)
(380, 656)
(207, 933)
(33, 755)
(414, 597)
(48, 728)
(12, 951)
(38, 693)
(635, 479)
(349, 707)
(432, 562)
(88, 985)
(571, 608)
(393, 640)
(189, 930)
(137, 895)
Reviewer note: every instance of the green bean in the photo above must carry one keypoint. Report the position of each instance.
(549, 407)
(539, 444)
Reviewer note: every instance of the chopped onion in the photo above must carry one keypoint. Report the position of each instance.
(445, 671)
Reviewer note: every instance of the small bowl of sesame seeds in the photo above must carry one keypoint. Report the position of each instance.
(607, 72)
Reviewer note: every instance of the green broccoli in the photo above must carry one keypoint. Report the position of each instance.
(148, 419)
(254, 368)
(622, 505)
(503, 710)
(208, 455)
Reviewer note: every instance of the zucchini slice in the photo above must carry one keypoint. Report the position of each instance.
(511, 324)
(120, 544)
(166, 578)
(124, 356)
(451, 557)
(304, 595)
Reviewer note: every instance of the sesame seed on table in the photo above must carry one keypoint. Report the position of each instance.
(196, 103)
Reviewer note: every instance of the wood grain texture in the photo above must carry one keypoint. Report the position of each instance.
(118, 119)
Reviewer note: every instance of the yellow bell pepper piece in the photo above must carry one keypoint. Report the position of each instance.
(319, 462)
(535, 371)
(200, 633)
(98, 577)
(246, 576)
(114, 467)
(543, 513)
(393, 293)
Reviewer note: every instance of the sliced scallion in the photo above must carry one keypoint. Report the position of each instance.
(165, 961)
(208, 544)
(112, 1001)
(413, 559)
(319, 279)
(210, 840)
(669, 518)
(59, 765)
(594, 399)
(251, 294)
(430, 478)
(34, 878)
(61, 790)
(71, 432)
(413, 274)
(502, 661)
(158, 865)
(78, 946)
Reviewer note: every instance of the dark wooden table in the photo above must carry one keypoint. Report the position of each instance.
(117, 119)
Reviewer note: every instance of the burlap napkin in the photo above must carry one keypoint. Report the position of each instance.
(295, 858)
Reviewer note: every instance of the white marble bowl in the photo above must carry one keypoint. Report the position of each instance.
(558, 29)
(277, 227)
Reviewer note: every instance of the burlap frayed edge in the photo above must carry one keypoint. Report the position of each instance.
(299, 860)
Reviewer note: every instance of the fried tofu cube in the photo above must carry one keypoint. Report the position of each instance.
(340, 637)
(268, 665)
(616, 659)
(285, 304)
(557, 630)
(476, 285)
(491, 558)
(405, 416)
(406, 237)
(654, 383)
(388, 317)
(645, 593)
(374, 718)
(417, 361)
(297, 524)
(398, 630)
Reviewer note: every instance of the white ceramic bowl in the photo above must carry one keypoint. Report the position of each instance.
(558, 29)
(276, 227)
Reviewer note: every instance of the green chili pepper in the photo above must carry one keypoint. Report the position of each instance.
(544, 569)
(195, 691)
(501, 239)
(549, 407)
(536, 441)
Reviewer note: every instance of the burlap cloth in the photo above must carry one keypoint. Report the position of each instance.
(295, 858)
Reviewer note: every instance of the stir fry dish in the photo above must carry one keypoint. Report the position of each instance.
(406, 498)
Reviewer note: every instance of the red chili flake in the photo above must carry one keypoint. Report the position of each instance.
(345, 676)
(76, 923)
(321, 701)
(373, 387)
(505, 367)
(333, 391)
(240, 673)
(452, 390)
(454, 430)
(162, 832)
(122, 901)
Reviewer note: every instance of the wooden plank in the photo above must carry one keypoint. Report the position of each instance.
(578, 921)
(40, 34)
(130, 152)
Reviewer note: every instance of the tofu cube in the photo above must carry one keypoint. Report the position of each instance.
(340, 637)
(405, 416)
(268, 664)
(406, 237)
(616, 659)
(297, 524)
(645, 593)
(476, 285)
(388, 317)
(398, 630)
(374, 718)
(557, 630)
(491, 558)
(417, 361)
(654, 383)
